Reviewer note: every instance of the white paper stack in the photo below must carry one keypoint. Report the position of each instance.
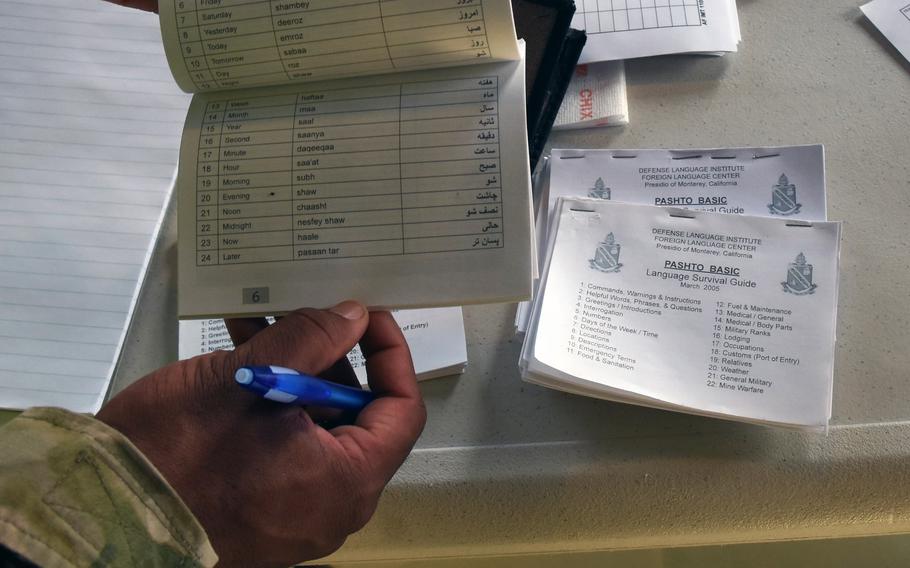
(624, 29)
(726, 308)
(436, 338)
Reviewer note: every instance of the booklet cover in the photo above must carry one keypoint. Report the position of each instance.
(716, 314)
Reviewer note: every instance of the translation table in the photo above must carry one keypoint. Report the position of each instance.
(417, 171)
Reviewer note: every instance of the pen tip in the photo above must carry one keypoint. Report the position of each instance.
(243, 376)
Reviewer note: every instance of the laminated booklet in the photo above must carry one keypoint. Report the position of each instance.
(435, 336)
(368, 150)
(708, 313)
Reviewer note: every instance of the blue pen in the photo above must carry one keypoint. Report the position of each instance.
(289, 386)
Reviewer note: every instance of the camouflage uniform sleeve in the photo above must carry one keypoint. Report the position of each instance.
(75, 492)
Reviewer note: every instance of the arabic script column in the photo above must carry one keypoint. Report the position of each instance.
(423, 34)
(450, 166)
(347, 192)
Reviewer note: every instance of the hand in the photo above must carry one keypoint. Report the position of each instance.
(269, 485)
(147, 5)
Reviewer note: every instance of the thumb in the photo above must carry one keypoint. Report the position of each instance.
(306, 340)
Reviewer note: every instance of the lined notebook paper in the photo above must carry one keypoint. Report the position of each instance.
(90, 123)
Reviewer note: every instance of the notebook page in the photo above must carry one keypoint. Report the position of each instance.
(227, 44)
(89, 129)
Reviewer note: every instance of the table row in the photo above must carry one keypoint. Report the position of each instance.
(209, 193)
(409, 145)
(360, 159)
(317, 215)
(277, 72)
(438, 104)
(220, 39)
(240, 203)
(332, 235)
(267, 16)
(409, 133)
(378, 89)
(392, 247)
(306, 56)
(316, 175)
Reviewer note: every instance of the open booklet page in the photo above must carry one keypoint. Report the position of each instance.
(219, 44)
(435, 336)
(404, 190)
(625, 29)
(717, 314)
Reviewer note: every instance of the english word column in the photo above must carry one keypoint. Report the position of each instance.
(347, 186)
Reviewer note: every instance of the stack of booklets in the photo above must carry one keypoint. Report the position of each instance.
(625, 29)
(703, 281)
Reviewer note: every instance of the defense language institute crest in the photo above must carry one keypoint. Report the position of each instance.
(606, 256)
(783, 198)
(799, 277)
(599, 191)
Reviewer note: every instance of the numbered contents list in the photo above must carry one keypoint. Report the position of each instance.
(749, 343)
(396, 169)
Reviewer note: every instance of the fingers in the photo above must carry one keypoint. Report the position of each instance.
(243, 329)
(147, 5)
(307, 340)
(342, 373)
(386, 430)
(390, 371)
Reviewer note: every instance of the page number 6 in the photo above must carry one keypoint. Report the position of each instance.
(256, 295)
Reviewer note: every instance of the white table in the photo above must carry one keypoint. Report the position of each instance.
(504, 467)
